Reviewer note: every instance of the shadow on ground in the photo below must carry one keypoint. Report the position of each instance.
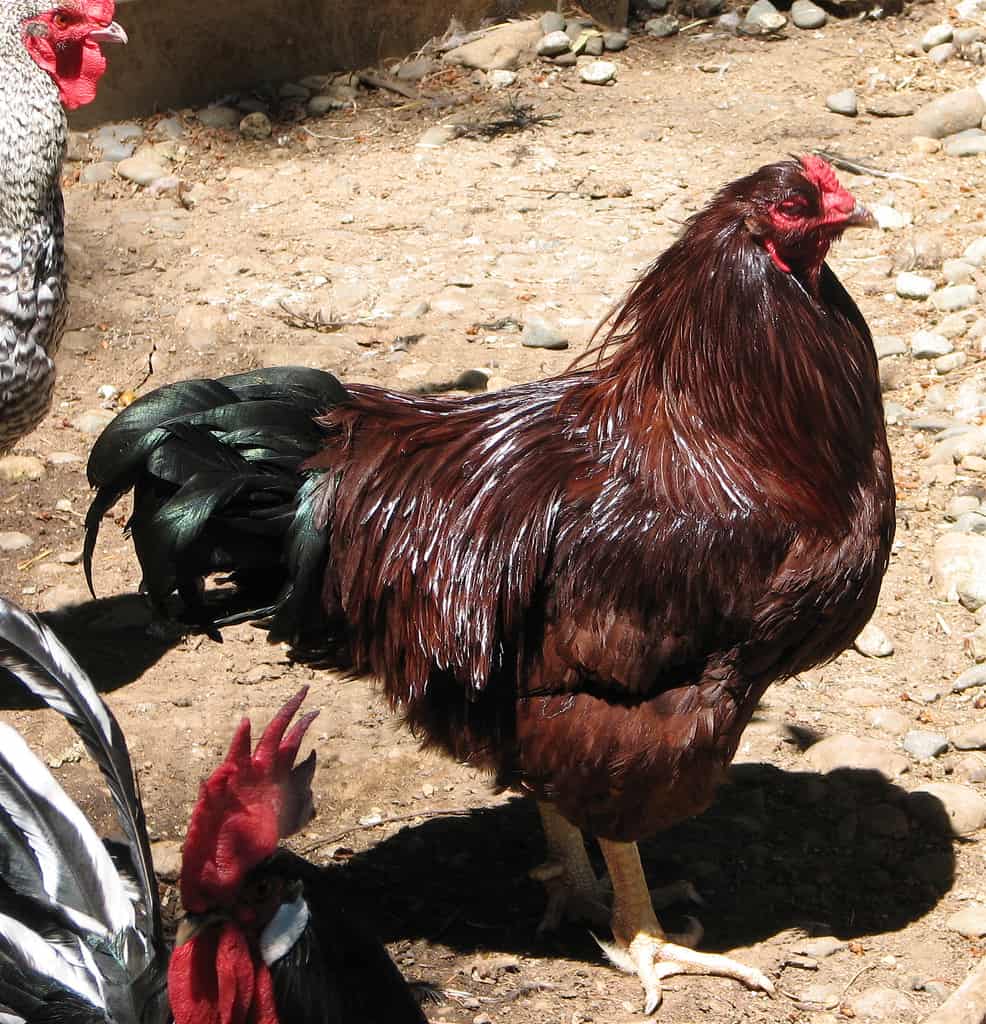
(114, 639)
(847, 853)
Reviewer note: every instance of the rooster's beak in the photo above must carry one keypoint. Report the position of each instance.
(860, 218)
(112, 33)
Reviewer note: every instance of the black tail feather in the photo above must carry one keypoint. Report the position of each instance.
(215, 467)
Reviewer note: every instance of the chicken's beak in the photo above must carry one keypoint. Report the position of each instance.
(860, 218)
(112, 33)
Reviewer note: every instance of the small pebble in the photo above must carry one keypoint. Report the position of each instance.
(218, 117)
(599, 72)
(614, 42)
(873, 642)
(663, 26)
(956, 296)
(890, 219)
(951, 362)
(966, 145)
(913, 286)
(928, 345)
(763, 16)
(843, 102)
(807, 15)
(941, 54)
(970, 921)
(11, 540)
(975, 252)
(16, 469)
(970, 737)
(924, 745)
(256, 126)
(538, 334)
(936, 35)
(501, 78)
(957, 808)
(553, 44)
(552, 21)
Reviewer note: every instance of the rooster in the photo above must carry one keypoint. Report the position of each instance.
(265, 937)
(583, 584)
(50, 59)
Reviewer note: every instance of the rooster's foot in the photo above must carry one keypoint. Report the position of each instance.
(640, 946)
(654, 957)
(574, 891)
(570, 899)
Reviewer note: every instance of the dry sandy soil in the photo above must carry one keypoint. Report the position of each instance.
(358, 222)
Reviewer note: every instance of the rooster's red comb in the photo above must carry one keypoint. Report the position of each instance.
(248, 804)
(819, 171)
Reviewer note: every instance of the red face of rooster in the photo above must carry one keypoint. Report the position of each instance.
(65, 42)
(799, 210)
(236, 914)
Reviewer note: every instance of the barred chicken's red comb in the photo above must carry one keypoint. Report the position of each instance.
(248, 804)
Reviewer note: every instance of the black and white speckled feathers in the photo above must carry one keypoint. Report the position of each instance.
(33, 300)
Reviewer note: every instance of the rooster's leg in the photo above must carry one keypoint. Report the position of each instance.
(641, 946)
(574, 892)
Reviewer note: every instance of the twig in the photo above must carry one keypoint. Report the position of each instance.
(820, 1002)
(341, 138)
(394, 819)
(318, 322)
(844, 163)
(39, 557)
(517, 117)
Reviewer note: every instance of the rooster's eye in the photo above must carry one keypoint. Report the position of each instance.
(792, 206)
(61, 20)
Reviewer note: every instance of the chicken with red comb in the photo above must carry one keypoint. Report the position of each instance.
(265, 938)
(583, 584)
(50, 59)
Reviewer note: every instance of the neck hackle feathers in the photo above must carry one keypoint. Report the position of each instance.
(248, 804)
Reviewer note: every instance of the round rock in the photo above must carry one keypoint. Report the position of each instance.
(256, 126)
(613, 42)
(882, 1003)
(538, 334)
(553, 44)
(924, 745)
(973, 144)
(956, 296)
(218, 117)
(847, 751)
(954, 112)
(913, 286)
(970, 921)
(971, 737)
(599, 72)
(17, 468)
(975, 252)
(11, 540)
(663, 26)
(873, 642)
(763, 16)
(928, 345)
(890, 219)
(806, 14)
(843, 102)
(936, 35)
(956, 808)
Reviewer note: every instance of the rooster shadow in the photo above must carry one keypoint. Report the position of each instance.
(115, 639)
(847, 854)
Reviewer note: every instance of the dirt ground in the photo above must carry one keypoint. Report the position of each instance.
(346, 216)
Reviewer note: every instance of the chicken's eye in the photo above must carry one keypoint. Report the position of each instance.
(792, 206)
(61, 20)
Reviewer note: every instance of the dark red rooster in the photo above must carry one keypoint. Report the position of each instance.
(583, 584)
